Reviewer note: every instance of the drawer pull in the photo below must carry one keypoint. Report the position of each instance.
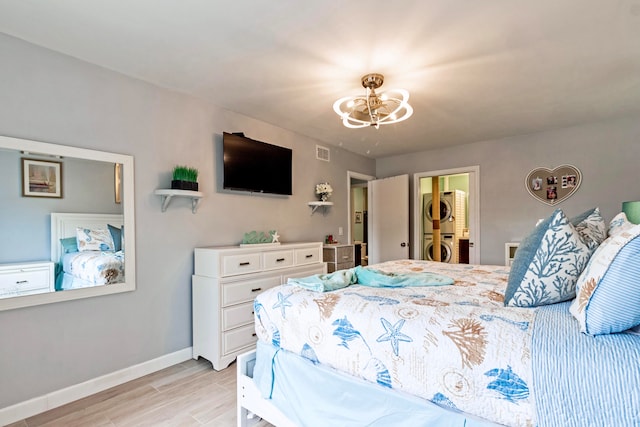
(309, 256)
(280, 259)
(345, 257)
(253, 334)
(21, 281)
(256, 289)
(245, 263)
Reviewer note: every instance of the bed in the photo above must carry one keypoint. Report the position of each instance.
(87, 249)
(454, 355)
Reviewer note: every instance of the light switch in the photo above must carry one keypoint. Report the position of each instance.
(340, 231)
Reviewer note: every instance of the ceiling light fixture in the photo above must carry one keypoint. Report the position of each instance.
(374, 109)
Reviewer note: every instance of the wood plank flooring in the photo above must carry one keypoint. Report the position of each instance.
(187, 394)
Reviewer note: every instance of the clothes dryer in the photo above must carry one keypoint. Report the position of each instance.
(452, 212)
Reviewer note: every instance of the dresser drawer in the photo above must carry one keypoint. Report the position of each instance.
(238, 338)
(308, 255)
(241, 264)
(278, 259)
(237, 315)
(243, 291)
(24, 281)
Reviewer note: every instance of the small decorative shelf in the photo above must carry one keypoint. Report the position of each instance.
(167, 195)
(316, 205)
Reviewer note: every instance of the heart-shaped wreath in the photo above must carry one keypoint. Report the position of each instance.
(552, 186)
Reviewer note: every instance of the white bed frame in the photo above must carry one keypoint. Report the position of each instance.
(251, 406)
(65, 224)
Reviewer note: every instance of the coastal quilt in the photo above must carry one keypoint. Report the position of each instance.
(457, 345)
(96, 267)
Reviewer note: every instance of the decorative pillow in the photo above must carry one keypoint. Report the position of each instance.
(608, 291)
(94, 239)
(591, 227)
(618, 224)
(116, 235)
(547, 264)
(69, 245)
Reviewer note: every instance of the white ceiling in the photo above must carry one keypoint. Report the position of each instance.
(476, 70)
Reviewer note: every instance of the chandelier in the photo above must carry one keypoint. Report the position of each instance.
(374, 109)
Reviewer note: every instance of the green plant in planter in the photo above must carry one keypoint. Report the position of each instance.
(185, 178)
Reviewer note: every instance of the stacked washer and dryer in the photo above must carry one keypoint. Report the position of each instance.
(452, 223)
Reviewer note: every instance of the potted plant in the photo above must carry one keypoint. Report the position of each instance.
(185, 178)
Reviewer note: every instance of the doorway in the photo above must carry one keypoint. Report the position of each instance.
(459, 212)
(358, 211)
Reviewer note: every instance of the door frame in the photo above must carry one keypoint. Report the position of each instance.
(474, 209)
(355, 175)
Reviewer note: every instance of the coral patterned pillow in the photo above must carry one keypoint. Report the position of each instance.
(547, 264)
(591, 227)
(608, 290)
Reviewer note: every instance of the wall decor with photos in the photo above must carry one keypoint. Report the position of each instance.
(552, 186)
(41, 178)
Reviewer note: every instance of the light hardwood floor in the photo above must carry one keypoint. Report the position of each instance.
(187, 394)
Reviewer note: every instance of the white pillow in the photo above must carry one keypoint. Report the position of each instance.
(97, 239)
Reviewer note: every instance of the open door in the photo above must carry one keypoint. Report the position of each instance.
(388, 219)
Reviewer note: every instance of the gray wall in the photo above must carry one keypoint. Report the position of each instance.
(607, 154)
(54, 98)
(25, 222)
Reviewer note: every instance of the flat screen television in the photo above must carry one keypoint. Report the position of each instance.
(254, 166)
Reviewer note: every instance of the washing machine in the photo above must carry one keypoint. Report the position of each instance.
(447, 248)
(452, 212)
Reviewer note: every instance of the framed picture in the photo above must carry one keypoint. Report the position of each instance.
(358, 217)
(41, 178)
(117, 182)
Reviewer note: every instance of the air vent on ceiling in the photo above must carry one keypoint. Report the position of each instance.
(322, 153)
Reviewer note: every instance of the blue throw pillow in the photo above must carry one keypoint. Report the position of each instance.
(116, 235)
(608, 292)
(69, 245)
(547, 264)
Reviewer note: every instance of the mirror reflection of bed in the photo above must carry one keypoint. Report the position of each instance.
(31, 227)
(87, 250)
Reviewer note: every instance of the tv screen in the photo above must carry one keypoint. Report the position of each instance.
(250, 165)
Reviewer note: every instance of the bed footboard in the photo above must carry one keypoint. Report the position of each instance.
(251, 406)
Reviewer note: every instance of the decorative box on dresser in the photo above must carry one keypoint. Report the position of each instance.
(26, 278)
(338, 257)
(227, 279)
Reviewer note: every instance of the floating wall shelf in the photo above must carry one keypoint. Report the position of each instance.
(316, 205)
(167, 195)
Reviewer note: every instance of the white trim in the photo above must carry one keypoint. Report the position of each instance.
(57, 398)
(474, 209)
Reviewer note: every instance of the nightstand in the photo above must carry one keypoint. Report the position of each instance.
(338, 257)
(26, 279)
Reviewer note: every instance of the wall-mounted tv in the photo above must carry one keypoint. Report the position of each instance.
(258, 167)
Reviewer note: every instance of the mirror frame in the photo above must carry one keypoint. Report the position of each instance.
(128, 202)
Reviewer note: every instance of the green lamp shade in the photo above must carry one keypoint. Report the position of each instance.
(632, 211)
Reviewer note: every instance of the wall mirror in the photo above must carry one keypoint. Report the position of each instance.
(49, 191)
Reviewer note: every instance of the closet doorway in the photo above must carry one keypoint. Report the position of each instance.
(459, 225)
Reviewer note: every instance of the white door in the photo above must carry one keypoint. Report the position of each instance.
(388, 219)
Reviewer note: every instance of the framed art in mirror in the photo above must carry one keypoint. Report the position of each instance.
(41, 178)
(96, 208)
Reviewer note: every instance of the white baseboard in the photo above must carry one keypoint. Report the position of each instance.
(34, 406)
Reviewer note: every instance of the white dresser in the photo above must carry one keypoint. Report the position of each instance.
(225, 282)
(26, 279)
